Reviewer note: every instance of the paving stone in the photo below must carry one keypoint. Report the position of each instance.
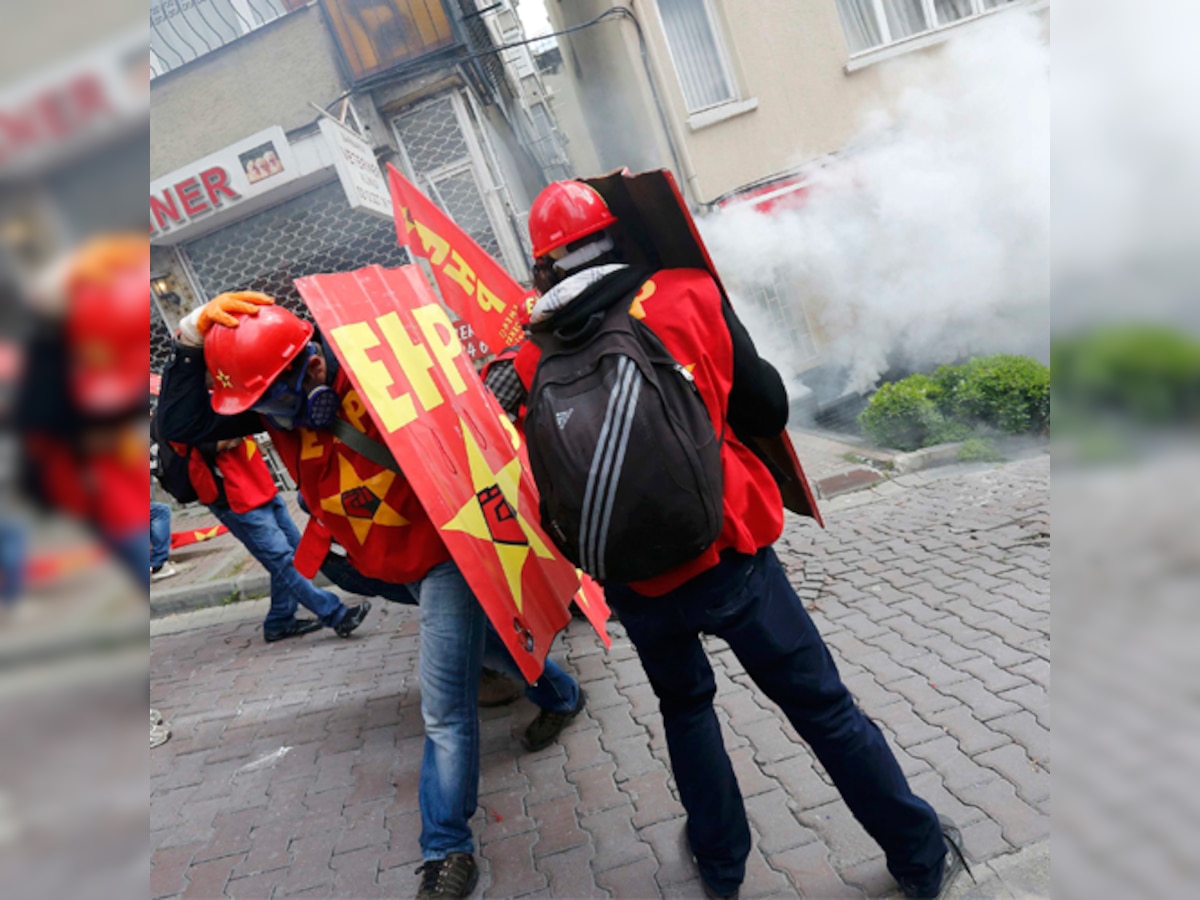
(839, 830)
(167, 868)
(597, 788)
(1023, 727)
(356, 874)
(632, 757)
(983, 703)
(751, 780)
(546, 778)
(770, 741)
(208, 879)
(806, 789)
(956, 768)
(761, 879)
(1032, 697)
(925, 698)
(556, 826)
(668, 840)
(905, 725)
(253, 887)
(983, 841)
(512, 868)
(613, 836)
(570, 874)
(583, 749)
(1031, 781)
(633, 879)
(810, 873)
(1020, 823)
(503, 815)
(774, 821)
(972, 735)
(652, 798)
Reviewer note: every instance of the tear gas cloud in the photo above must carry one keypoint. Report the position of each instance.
(927, 239)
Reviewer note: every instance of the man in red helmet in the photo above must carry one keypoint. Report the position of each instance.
(735, 587)
(268, 368)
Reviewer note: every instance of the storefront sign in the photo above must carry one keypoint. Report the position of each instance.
(253, 166)
(357, 169)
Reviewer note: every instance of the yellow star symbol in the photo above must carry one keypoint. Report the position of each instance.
(225, 380)
(493, 515)
(361, 500)
(251, 446)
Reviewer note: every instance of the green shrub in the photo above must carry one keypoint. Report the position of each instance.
(1144, 372)
(979, 450)
(1008, 393)
(904, 414)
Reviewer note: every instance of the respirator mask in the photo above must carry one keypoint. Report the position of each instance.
(286, 404)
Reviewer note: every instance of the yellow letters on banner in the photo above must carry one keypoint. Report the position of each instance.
(415, 361)
(355, 340)
(435, 245)
(488, 301)
(445, 344)
(310, 444)
(461, 274)
(354, 409)
(511, 430)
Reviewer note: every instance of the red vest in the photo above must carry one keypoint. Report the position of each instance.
(371, 511)
(248, 481)
(683, 308)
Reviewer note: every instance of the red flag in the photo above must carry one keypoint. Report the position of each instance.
(472, 283)
(455, 445)
(196, 536)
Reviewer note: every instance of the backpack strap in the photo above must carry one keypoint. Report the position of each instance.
(364, 446)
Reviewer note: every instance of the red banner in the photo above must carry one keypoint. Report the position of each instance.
(473, 284)
(196, 536)
(456, 446)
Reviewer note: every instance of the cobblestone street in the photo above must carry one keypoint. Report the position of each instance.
(293, 767)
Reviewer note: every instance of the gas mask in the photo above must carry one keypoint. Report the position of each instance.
(286, 404)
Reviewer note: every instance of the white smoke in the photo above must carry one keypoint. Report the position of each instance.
(928, 238)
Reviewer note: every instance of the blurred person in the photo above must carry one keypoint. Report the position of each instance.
(81, 411)
(160, 541)
(268, 369)
(733, 585)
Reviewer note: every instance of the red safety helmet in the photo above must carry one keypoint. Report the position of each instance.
(565, 212)
(108, 323)
(244, 361)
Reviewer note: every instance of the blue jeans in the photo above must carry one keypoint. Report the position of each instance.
(160, 533)
(748, 602)
(13, 546)
(270, 535)
(555, 691)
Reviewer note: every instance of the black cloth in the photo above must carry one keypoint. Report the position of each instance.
(758, 401)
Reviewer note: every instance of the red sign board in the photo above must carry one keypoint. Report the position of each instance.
(475, 348)
(455, 445)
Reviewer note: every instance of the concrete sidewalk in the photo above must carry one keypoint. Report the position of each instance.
(293, 767)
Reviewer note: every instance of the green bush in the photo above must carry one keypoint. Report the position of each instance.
(904, 414)
(978, 450)
(1143, 372)
(1008, 393)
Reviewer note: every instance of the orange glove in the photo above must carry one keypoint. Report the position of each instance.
(222, 309)
(100, 259)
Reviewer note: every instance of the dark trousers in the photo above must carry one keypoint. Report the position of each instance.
(748, 602)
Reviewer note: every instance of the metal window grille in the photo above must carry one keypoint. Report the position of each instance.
(696, 52)
(785, 315)
(307, 235)
(442, 162)
(160, 340)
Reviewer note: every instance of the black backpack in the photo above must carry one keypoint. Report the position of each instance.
(622, 449)
(172, 469)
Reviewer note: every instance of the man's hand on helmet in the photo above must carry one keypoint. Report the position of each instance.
(223, 309)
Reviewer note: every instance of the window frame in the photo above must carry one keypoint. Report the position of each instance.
(890, 47)
(723, 59)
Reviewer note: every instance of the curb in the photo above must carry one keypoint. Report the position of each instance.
(221, 592)
(926, 458)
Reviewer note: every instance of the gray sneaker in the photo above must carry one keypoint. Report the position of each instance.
(455, 876)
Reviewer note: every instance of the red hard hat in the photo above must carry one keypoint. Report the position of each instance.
(108, 324)
(565, 212)
(243, 361)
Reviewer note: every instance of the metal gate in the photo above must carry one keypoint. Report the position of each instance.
(311, 234)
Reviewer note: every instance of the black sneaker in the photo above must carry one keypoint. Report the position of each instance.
(352, 619)
(955, 865)
(295, 628)
(713, 895)
(496, 689)
(548, 725)
(454, 876)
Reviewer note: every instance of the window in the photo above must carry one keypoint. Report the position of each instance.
(697, 52)
(377, 35)
(873, 23)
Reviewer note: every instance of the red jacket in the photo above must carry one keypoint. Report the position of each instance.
(247, 480)
(683, 308)
(371, 511)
